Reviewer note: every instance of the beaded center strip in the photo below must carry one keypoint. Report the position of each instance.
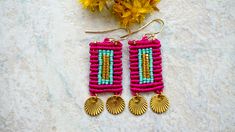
(145, 66)
(145, 61)
(105, 67)
(105, 75)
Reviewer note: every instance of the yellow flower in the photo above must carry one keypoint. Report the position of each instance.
(133, 11)
(152, 2)
(94, 4)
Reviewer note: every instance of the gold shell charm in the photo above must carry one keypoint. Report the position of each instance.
(138, 105)
(94, 106)
(159, 103)
(115, 104)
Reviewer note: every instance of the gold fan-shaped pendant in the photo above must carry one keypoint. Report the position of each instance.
(138, 105)
(115, 104)
(159, 103)
(94, 106)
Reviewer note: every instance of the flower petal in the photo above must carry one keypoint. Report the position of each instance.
(126, 14)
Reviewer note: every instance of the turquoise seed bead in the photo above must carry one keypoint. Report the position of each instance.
(148, 81)
(147, 50)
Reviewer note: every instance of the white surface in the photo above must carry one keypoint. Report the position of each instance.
(44, 67)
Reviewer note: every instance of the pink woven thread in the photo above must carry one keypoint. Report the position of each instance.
(157, 85)
(116, 87)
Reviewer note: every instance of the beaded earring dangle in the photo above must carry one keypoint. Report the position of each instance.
(105, 76)
(146, 73)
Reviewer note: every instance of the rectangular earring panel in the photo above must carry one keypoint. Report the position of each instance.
(105, 67)
(145, 65)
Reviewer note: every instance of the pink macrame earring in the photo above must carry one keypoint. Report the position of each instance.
(105, 76)
(146, 73)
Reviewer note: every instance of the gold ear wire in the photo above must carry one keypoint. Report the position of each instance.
(150, 35)
(105, 31)
(111, 30)
(146, 25)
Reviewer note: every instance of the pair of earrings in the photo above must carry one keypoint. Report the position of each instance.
(145, 75)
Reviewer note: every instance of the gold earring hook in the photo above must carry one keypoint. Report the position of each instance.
(111, 30)
(105, 31)
(124, 37)
(160, 21)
